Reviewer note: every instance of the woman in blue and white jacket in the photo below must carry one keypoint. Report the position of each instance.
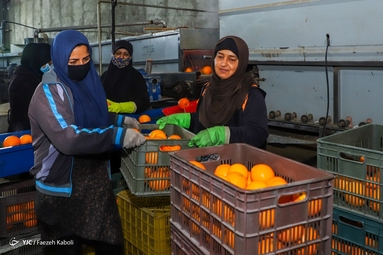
(72, 135)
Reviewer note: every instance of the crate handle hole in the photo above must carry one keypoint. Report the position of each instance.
(352, 157)
(354, 223)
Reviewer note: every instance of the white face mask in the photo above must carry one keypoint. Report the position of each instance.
(45, 68)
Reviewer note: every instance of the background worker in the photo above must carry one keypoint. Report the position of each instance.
(231, 108)
(35, 60)
(125, 88)
(72, 135)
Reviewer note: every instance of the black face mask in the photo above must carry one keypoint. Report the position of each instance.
(78, 73)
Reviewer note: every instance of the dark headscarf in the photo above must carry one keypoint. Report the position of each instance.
(123, 44)
(223, 97)
(118, 81)
(90, 107)
(34, 56)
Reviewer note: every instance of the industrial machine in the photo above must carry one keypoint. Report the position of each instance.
(319, 61)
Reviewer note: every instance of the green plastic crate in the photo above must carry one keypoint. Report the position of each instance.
(139, 163)
(353, 233)
(355, 158)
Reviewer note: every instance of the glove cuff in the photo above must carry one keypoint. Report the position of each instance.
(128, 107)
(227, 135)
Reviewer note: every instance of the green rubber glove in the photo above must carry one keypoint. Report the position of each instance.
(179, 119)
(211, 136)
(125, 107)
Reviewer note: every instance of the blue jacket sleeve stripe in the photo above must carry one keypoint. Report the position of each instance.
(52, 104)
(94, 130)
(120, 119)
(118, 135)
(53, 189)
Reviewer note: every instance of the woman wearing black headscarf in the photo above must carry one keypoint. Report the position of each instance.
(124, 86)
(232, 107)
(24, 82)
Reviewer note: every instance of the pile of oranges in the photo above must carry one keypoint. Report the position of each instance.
(260, 176)
(13, 140)
(159, 176)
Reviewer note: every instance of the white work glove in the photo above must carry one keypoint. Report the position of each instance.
(131, 121)
(133, 139)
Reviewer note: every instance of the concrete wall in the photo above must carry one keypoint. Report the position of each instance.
(60, 14)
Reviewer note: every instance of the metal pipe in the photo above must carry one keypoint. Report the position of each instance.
(162, 7)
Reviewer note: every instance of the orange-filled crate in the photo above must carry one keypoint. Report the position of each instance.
(221, 218)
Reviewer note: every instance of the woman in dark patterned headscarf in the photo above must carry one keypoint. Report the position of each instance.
(24, 82)
(232, 107)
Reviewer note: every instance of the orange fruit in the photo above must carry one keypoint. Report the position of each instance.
(266, 219)
(197, 164)
(188, 70)
(170, 148)
(239, 168)
(155, 132)
(276, 181)
(206, 70)
(291, 234)
(11, 140)
(183, 103)
(151, 157)
(25, 139)
(237, 179)
(310, 234)
(256, 185)
(160, 184)
(222, 170)
(261, 172)
(17, 217)
(356, 187)
(144, 118)
(174, 137)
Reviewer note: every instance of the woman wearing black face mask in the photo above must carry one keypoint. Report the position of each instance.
(73, 134)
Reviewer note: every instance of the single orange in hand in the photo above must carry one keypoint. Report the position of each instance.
(144, 118)
(207, 70)
(25, 139)
(183, 103)
(197, 164)
(11, 140)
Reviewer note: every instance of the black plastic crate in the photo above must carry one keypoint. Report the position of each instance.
(17, 215)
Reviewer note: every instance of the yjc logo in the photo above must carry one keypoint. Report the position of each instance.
(13, 241)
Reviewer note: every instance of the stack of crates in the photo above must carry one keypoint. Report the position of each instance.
(212, 216)
(355, 158)
(145, 207)
(17, 209)
(146, 168)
